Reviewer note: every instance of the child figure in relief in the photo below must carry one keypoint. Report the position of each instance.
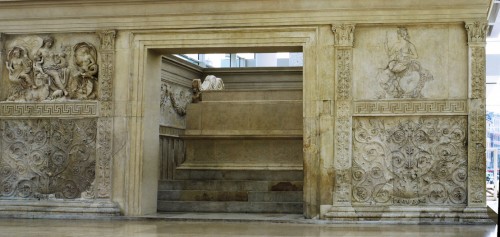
(40, 91)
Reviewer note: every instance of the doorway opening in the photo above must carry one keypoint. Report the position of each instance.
(236, 149)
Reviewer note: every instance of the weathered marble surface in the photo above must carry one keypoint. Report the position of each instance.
(415, 62)
(410, 161)
(51, 67)
(335, 77)
(48, 158)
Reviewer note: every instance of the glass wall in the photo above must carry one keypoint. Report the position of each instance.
(278, 59)
(492, 114)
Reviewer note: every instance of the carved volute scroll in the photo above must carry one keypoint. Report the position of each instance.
(107, 39)
(476, 32)
(344, 39)
(344, 34)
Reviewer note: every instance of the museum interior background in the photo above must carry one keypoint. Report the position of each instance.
(377, 113)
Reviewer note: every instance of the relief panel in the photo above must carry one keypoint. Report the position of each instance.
(173, 104)
(47, 158)
(51, 68)
(410, 62)
(416, 160)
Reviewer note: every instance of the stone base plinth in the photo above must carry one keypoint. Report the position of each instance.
(76, 209)
(410, 215)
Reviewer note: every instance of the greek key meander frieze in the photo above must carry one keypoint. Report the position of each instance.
(417, 160)
(458, 107)
(47, 158)
(15, 109)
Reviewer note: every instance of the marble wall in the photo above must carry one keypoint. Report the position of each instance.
(393, 102)
(55, 122)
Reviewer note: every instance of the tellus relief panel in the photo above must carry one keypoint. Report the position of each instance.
(46, 68)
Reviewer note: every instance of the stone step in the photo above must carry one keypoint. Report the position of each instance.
(233, 207)
(276, 196)
(203, 195)
(264, 175)
(230, 185)
(251, 95)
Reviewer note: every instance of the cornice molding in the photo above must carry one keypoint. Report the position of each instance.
(53, 16)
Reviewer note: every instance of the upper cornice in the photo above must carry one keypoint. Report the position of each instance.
(54, 15)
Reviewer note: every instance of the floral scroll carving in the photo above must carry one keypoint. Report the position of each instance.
(47, 158)
(344, 40)
(39, 71)
(476, 32)
(478, 72)
(410, 161)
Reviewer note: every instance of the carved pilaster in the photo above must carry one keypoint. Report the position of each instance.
(477, 72)
(105, 121)
(2, 54)
(344, 34)
(476, 32)
(104, 159)
(344, 39)
(107, 49)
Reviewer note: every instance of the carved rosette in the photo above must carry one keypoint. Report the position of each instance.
(476, 32)
(105, 121)
(344, 39)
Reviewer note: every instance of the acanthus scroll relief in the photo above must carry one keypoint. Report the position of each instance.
(38, 70)
(476, 31)
(403, 76)
(45, 158)
(410, 161)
